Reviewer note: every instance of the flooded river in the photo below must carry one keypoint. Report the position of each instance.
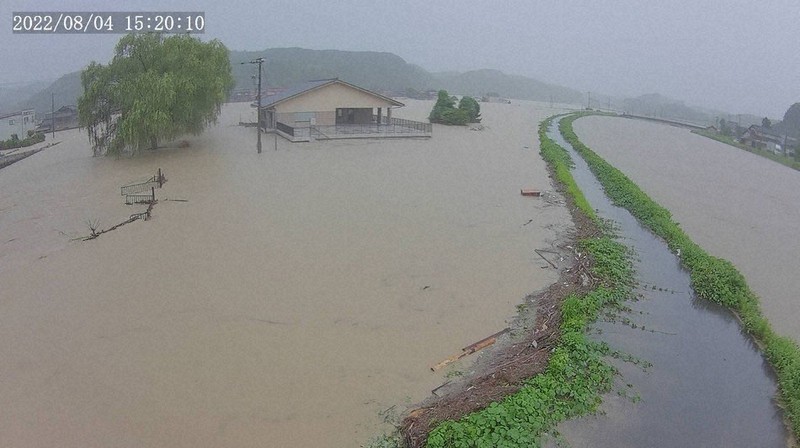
(735, 204)
(708, 384)
(281, 299)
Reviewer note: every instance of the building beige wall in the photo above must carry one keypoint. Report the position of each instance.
(329, 98)
(326, 118)
(302, 119)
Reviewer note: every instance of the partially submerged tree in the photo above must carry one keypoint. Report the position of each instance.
(155, 88)
(445, 111)
(472, 107)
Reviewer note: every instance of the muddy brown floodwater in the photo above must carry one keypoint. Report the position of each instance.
(735, 204)
(287, 300)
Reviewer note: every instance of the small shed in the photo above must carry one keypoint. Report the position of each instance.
(332, 108)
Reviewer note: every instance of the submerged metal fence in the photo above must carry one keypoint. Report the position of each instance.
(143, 216)
(141, 198)
(425, 128)
(156, 181)
(389, 127)
(137, 193)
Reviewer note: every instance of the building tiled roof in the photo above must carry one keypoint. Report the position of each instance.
(765, 131)
(299, 89)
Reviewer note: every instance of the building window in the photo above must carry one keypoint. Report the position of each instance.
(11, 122)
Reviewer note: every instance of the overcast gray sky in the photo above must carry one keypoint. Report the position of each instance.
(734, 55)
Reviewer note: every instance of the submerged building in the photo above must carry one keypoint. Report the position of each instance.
(334, 109)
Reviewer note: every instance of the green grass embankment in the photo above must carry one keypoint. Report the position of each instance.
(577, 374)
(712, 278)
(783, 160)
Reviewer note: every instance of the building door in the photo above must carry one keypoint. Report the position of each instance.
(345, 115)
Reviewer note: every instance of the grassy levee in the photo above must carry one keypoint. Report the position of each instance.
(560, 162)
(577, 374)
(712, 278)
(783, 160)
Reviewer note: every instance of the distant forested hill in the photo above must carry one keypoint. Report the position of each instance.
(372, 70)
(385, 72)
(388, 73)
(480, 82)
(65, 90)
(13, 93)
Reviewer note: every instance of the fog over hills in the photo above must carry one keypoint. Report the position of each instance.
(385, 72)
(733, 56)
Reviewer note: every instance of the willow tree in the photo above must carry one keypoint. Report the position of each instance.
(155, 88)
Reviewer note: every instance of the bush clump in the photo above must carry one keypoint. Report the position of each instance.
(15, 142)
(446, 112)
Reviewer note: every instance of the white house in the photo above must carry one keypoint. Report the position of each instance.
(18, 123)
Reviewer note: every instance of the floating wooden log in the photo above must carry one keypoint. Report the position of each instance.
(472, 348)
(529, 192)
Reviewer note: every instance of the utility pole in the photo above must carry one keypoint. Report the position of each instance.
(258, 61)
(589, 100)
(53, 113)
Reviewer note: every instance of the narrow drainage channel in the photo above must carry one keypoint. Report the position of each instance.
(708, 384)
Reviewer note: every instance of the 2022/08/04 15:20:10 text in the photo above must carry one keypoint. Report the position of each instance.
(107, 22)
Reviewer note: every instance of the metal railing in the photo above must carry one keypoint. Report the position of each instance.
(143, 216)
(418, 126)
(131, 199)
(316, 133)
(156, 181)
(285, 128)
(388, 127)
(129, 190)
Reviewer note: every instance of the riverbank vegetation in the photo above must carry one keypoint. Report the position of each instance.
(783, 160)
(575, 378)
(14, 142)
(712, 278)
(577, 373)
